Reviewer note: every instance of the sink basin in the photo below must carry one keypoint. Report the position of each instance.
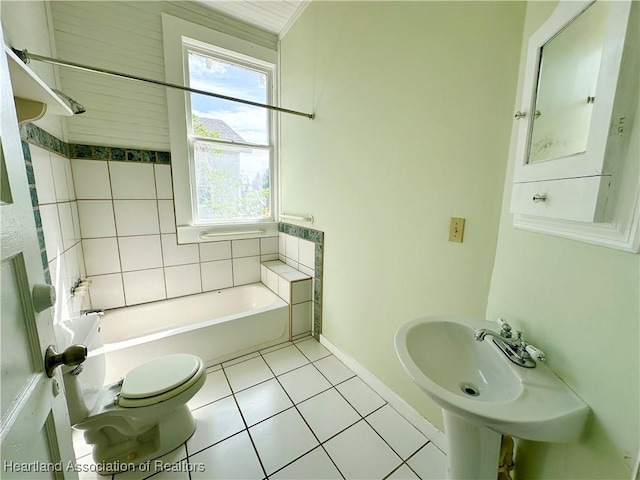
(482, 393)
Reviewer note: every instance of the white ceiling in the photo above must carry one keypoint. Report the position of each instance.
(275, 16)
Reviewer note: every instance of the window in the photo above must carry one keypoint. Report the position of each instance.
(223, 152)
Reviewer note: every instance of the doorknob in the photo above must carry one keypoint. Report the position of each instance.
(74, 355)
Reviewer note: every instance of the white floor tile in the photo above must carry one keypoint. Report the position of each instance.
(403, 473)
(333, 369)
(215, 422)
(281, 439)
(214, 388)
(360, 453)
(429, 463)
(276, 347)
(262, 401)
(328, 414)
(312, 349)
(80, 447)
(233, 458)
(247, 374)
(174, 460)
(403, 437)
(304, 382)
(285, 359)
(315, 465)
(358, 394)
(233, 361)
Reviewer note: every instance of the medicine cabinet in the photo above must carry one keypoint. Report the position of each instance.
(576, 172)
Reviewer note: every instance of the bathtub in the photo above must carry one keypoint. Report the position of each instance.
(216, 326)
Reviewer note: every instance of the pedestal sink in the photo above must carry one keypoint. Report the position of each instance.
(483, 394)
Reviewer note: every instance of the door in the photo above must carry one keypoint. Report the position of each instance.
(35, 433)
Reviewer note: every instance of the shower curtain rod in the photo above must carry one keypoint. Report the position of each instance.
(26, 56)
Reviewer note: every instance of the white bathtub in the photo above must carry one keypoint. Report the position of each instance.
(216, 326)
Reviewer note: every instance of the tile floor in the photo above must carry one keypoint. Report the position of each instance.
(293, 411)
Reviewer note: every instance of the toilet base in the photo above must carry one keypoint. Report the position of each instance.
(127, 444)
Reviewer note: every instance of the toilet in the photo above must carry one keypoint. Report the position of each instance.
(139, 418)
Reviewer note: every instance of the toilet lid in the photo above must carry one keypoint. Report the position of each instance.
(159, 376)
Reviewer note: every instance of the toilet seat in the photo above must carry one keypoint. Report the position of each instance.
(159, 380)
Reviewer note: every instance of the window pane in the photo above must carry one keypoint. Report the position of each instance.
(244, 123)
(232, 183)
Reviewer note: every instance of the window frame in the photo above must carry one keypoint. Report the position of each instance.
(180, 36)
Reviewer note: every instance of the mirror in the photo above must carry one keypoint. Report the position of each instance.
(565, 93)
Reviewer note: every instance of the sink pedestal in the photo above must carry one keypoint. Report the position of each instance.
(472, 450)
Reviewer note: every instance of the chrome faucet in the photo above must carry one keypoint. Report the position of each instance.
(514, 347)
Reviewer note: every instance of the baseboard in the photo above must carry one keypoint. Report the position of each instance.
(402, 407)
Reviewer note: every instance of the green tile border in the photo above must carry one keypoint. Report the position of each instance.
(26, 153)
(33, 134)
(317, 237)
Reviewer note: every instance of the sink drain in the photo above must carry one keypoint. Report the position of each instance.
(469, 389)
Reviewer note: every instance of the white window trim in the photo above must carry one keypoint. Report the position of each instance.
(175, 31)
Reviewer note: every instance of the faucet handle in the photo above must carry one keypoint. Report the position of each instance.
(536, 353)
(505, 328)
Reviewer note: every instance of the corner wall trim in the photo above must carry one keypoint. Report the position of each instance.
(402, 407)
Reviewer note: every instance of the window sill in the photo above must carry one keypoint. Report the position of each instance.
(211, 233)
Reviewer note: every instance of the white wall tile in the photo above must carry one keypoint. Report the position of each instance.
(282, 244)
(69, 177)
(291, 248)
(182, 280)
(66, 225)
(291, 262)
(132, 180)
(58, 272)
(44, 175)
(167, 216)
(245, 248)
(211, 251)
(144, 286)
(164, 187)
(101, 256)
(76, 221)
(174, 254)
(72, 266)
(273, 281)
(80, 256)
(96, 218)
(284, 289)
(216, 275)
(269, 245)
(60, 177)
(307, 253)
(263, 274)
(301, 291)
(91, 179)
(301, 315)
(107, 291)
(306, 270)
(268, 257)
(246, 270)
(141, 252)
(136, 217)
(51, 229)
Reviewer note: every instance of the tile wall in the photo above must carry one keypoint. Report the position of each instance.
(56, 211)
(303, 249)
(129, 239)
(107, 213)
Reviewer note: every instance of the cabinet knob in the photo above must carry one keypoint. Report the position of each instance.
(537, 198)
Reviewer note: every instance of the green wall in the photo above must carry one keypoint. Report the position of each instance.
(414, 107)
(579, 303)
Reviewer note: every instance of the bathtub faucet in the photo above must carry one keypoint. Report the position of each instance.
(514, 347)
